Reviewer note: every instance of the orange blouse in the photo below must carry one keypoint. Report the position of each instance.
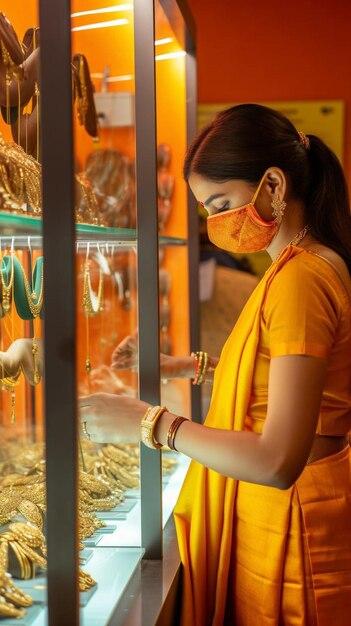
(307, 311)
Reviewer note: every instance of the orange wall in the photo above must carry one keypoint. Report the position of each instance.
(259, 51)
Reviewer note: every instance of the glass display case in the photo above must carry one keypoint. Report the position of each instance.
(95, 224)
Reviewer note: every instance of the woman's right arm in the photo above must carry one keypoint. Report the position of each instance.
(125, 356)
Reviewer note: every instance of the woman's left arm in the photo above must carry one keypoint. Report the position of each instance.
(274, 458)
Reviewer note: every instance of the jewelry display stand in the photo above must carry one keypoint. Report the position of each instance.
(95, 223)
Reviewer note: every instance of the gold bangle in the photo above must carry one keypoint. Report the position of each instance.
(201, 366)
(203, 369)
(148, 424)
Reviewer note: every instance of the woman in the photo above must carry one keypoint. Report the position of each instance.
(263, 519)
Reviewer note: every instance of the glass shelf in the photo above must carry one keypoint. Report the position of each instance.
(24, 226)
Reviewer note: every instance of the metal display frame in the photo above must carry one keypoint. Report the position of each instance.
(59, 239)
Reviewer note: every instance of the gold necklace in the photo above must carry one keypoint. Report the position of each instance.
(7, 288)
(91, 308)
(35, 309)
(299, 237)
(92, 304)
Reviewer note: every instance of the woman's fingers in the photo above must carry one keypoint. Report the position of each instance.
(125, 354)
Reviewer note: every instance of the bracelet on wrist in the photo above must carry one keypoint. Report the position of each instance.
(201, 366)
(172, 431)
(148, 424)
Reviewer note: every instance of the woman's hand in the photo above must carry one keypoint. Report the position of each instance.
(110, 418)
(125, 356)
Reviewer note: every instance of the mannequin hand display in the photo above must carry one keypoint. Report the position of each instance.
(20, 356)
(111, 418)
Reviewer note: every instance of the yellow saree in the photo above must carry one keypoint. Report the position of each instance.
(234, 538)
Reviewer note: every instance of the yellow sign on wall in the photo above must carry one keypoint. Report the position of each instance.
(324, 118)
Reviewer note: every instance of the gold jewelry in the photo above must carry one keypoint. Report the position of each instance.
(31, 512)
(25, 177)
(201, 366)
(148, 423)
(7, 288)
(94, 485)
(278, 207)
(36, 493)
(32, 555)
(23, 562)
(87, 208)
(35, 348)
(8, 384)
(127, 478)
(9, 610)
(12, 178)
(12, 72)
(299, 237)
(9, 501)
(85, 581)
(98, 504)
(8, 589)
(82, 99)
(92, 304)
(85, 430)
(120, 456)
(35, 309)
(32, 535)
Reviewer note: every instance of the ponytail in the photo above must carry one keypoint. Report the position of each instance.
(327, 202)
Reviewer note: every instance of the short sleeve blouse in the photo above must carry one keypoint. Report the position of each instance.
(304, 307)
(307, 311)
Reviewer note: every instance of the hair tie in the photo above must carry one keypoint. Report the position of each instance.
(304, 140)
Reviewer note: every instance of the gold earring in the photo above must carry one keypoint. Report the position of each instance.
(278, 207)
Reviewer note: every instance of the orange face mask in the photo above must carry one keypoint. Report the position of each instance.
(242, 229)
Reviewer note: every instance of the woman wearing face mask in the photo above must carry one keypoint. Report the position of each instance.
(264, 516)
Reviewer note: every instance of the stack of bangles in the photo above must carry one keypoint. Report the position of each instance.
(148, 424)
(202, 366)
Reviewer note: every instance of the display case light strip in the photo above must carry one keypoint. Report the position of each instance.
(113, 9)
(113, 79)
(170, 55)
(117, 79)
(121, 22)
(161, 42)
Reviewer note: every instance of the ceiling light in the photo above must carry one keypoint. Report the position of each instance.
(101, 25)
(160, 42)
(170, 55)
(116, 7)
(113, 79)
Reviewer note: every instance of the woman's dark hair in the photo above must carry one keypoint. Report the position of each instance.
(245, 140)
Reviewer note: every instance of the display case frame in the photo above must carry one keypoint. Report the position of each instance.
(60, 233)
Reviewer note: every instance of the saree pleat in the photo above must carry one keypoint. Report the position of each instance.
(250, 553)
(324, 491)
